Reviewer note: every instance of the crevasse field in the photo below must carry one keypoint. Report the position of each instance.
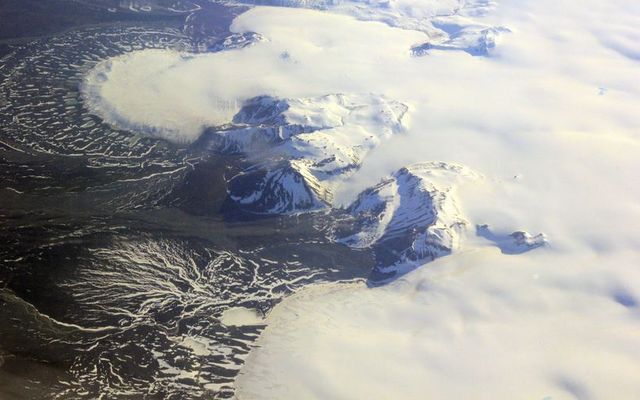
(540, 99)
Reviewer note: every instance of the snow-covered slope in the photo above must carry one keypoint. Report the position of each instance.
(302, 149)
(277, 188)
(409, 219)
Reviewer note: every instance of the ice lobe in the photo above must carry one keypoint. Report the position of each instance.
(408, 219)
(300, 150)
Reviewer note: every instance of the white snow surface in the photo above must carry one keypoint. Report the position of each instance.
(549, 117)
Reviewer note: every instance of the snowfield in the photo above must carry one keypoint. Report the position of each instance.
(547, 114)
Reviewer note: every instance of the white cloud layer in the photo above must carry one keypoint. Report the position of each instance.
(550, 118)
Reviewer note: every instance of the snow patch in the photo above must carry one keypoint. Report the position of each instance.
(240, 316)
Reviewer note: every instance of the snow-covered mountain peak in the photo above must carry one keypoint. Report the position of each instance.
(408, 219)
(321, 141)
(312, 113)
(279, 188)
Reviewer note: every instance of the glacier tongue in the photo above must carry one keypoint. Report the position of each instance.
(300, 150)
(408, 219)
